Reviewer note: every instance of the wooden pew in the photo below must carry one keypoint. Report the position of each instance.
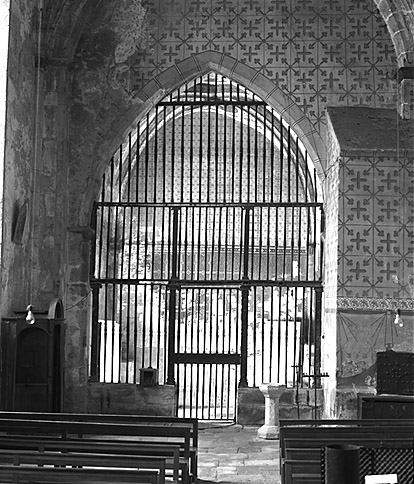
(82, 460)
(161, 420)
(302, 442)
(170, 453)
(103, 431)
(147, 420)
(56, 475)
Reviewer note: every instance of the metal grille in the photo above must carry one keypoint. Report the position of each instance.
(377, 461)
(207, 257)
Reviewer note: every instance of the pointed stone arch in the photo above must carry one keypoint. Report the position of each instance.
(184, 72)
(399, 18)
(208, 61)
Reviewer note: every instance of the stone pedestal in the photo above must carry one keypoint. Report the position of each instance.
(272, 393)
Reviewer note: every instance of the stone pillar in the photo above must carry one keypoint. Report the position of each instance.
(272, 393)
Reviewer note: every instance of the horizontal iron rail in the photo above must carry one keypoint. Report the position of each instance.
(208, 358)
(183, 283)
(218, 102)
(209, 204)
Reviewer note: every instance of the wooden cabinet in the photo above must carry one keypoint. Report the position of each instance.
(32, 364)
(385, 406)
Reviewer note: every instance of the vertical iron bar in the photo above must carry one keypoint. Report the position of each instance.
(208, 151)
(286, 333)
(191, 153)
(213, 232)
(105, 330)
(254, 330)
(315, 231)
(306, 176)
(200, 157)
(204, 349)
(172, 163)
(173, 299)
(284, 241)
(210, 349)
(281, 161)
(271, 335)
(308, 224)
(113, 312)
(260, 248)
(272, 159)
(289, 163)
(300, 232)
(182, 154)
(317, 350)
(297, 168)
(216, 147)
(129, 167)
(241, 156)
(199, 245)
(279, 315)
(144, 326)
(256, 156)
(135, 333)
(95, 337)
(224, 141)
(249, 151)
(268, 246)
(164, 154)
(245, 289)
(155, 193)
(295, 332)
(233, 154)
(264, 175)
(185, 245)
(146, 164)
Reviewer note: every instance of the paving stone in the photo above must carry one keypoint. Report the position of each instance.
(236, 455)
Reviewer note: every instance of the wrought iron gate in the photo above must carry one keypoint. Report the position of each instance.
(207, 256)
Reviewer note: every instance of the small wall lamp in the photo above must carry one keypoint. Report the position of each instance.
(30, 317)
(398, 319)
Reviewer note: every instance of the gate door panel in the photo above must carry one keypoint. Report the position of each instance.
(208, 352)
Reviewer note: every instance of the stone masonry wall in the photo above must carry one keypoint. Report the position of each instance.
(19, 157)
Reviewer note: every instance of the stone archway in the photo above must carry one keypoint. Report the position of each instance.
(399, 17)
(185, 71)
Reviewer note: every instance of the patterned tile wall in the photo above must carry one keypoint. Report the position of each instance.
(376, 243)
(320, 52)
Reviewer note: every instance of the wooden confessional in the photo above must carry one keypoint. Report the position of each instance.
(32, 361)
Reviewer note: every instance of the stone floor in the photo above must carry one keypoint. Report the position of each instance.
(231, 453)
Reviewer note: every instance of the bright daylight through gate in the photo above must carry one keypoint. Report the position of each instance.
(207, 259)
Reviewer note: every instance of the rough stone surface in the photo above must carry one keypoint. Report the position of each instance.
(131, 399)
(371, 129)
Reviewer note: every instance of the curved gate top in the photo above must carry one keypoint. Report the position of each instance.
(207, 258)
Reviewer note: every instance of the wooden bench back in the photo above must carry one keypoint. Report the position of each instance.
(302, 443)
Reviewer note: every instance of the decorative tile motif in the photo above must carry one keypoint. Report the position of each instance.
(376, 230)
(318, 51)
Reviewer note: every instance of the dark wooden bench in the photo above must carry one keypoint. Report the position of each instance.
(169, 453)
(146, 420)
(160, 420)
(156, 434)
(56, 475)
(83, 459)
(302, 443)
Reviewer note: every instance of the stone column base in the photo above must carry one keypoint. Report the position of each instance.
(269, 432)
